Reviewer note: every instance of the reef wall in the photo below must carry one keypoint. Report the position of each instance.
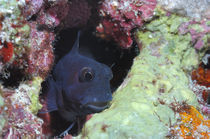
(156, 99)
(166, 91)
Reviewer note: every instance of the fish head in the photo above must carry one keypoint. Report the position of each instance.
(85, 82)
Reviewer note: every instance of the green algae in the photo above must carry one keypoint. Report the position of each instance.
(208, 23)
(158, 78)
(2, 123)
(34, 95)
(10, 8)
(14, 28)
(196, 27)
(190, 59)
(1, 101)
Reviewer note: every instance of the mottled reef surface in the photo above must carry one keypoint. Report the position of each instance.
(165, 93)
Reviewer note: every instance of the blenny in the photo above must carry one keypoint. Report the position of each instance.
(78, 86)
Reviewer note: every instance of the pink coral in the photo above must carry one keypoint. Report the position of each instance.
(40, 57)
(121, 16)
(32, 7)
(197, 35)
(53, 12)
(20, 121)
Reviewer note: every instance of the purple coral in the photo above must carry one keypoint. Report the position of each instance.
(196, 35)
(120, 17)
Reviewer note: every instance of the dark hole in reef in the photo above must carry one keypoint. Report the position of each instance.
(107, 52)
(12, 77)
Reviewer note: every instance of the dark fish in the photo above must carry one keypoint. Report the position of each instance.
(78, 86)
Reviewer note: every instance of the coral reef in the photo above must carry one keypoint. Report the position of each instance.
(18, 110)
(52, 13)
(40, 56)
(166, 90)
(197, 30)
(156, 92)
(25, 51)
(191, 124)
(193, 8)
(120, 17)
(26, 58)
(200, 83)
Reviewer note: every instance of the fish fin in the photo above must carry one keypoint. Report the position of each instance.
(51, 95)
(75, 48)
(64, 133)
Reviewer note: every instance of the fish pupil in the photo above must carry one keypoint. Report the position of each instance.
(86, 74)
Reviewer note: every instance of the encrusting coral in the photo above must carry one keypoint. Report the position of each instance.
(164, 94)
(155, 100)
(119, 18)
(27, 51)
(26, 58)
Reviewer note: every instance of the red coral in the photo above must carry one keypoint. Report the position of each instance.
(202, 78)
(40, 57)
(6, 52)
(120, 17)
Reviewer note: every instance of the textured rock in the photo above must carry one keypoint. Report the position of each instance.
(193, 8)
(119, 18)
(19, 110)
(156, 90)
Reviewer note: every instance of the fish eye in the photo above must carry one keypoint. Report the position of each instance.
(86, 74)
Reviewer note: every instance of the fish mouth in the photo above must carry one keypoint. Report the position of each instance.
(97, 106)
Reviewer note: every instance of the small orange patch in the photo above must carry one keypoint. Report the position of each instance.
(192, 125)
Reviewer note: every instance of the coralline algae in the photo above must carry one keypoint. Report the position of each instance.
(119, 18)
(19, 109)
(155, 93)
(26, 48)
(149, 101)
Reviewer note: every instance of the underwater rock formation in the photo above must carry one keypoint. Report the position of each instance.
(26, 56)
(200, 83)
(165, 93)
(19, 109)
(155, 100)
(121, 17)
(193, 8)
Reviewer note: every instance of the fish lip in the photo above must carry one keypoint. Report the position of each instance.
(97, 106)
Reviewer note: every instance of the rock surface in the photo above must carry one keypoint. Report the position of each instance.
(156, 92)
